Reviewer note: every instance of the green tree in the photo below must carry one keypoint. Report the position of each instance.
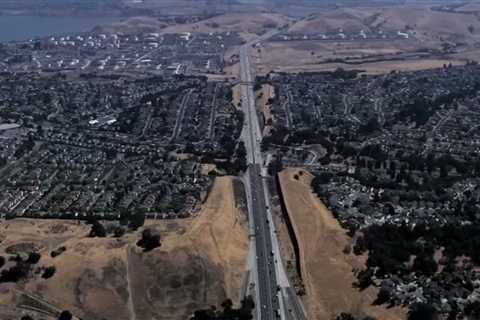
(65, 315)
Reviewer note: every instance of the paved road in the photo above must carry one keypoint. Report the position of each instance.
(267, 282)
(267, 303)
(268, 270)
(213, 114)
(180, 115)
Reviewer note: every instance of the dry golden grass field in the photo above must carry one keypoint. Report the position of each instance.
(202, 261)
(431, 30)
(310, 56)
(426, 24)
(326, 270)
(248, 25)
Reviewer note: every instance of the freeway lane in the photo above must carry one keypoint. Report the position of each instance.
(267, 284)
(274, 295)
(265, 266)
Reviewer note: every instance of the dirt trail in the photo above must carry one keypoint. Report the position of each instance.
(131, 307)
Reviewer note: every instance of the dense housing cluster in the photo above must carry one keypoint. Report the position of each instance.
(340, 34)
(161, 54)
(105, 145)
(396, 157)
(399, 148)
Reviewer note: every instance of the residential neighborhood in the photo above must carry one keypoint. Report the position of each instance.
(76, 148)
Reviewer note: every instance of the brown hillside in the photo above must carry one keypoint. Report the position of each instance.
(326, 270)
(427, 24)
(201, 262)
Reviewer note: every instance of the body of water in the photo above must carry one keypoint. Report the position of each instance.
(20, 28)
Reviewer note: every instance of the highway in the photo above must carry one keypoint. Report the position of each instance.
(272, 290)
(266, 285)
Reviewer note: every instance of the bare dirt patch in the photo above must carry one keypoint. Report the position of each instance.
(237, 96)
(326, 270)
(232, 70)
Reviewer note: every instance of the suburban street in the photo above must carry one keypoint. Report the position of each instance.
(181, 113)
